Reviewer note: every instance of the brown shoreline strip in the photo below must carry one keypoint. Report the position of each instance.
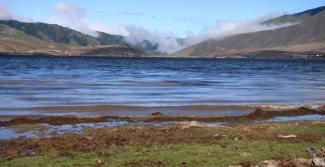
(151, 136)
(61, 120)
(257, 115)
(107, 107)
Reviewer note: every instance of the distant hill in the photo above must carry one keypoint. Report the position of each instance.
(52, 32)
(41, 38)
(305, 36)
(109, 39)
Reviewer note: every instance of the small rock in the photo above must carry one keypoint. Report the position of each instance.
(268, 163)
(303, 161)
(30, 152)
(321, 152)
(2, 150)
(287, 136)
(160, 163)
(319, 161)
(312, 152)
(246, 164)
(156, 113)
(190, 124)
(219, 135)
(99, 161)
(184, 164)
(295, 162)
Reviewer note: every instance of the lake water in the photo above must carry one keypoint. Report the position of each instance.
(35, 85)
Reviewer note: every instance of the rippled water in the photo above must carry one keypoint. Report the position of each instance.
(32, 81)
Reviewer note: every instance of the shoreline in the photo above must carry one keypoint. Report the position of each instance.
(194, 144)
(256, 55)
(257, 115)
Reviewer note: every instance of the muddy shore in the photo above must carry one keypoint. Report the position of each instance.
(257, 115)
(241, 140)
(229, 137)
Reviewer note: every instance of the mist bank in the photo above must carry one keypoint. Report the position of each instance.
(305, 37)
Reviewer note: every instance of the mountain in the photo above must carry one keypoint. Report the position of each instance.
(52, 32)
(109, 39)
(295, 18)
(303, 38)
(41, 38)
(14, 41)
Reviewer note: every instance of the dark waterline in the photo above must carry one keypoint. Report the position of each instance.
(34, 81)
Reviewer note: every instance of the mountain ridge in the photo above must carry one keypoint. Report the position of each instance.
(311, 32)
(295, 18)
(51, 39)
(305, 37)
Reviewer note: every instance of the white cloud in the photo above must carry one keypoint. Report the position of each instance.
(70, 10)
(116, 29)
(74, 17)
(71, 16)
(166, 41)
(271, 15)
(228, 28)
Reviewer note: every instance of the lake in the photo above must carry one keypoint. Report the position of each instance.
(40, 85)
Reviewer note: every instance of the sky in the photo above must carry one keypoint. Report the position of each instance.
(160, 21)
(177, 16)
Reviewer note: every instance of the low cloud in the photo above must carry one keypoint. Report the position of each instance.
(166, 41)
(71, 16)
(225, 28)
(271, 15)
(70, 10)
(74, 17)
(117, 29)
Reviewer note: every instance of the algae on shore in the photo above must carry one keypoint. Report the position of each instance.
(175, 145)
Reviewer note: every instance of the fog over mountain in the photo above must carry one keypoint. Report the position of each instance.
(209, 41)
(72, 16)
(306, 32)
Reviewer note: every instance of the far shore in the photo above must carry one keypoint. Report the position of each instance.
(263, 55)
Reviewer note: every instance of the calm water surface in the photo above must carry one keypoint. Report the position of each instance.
(29, 82)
